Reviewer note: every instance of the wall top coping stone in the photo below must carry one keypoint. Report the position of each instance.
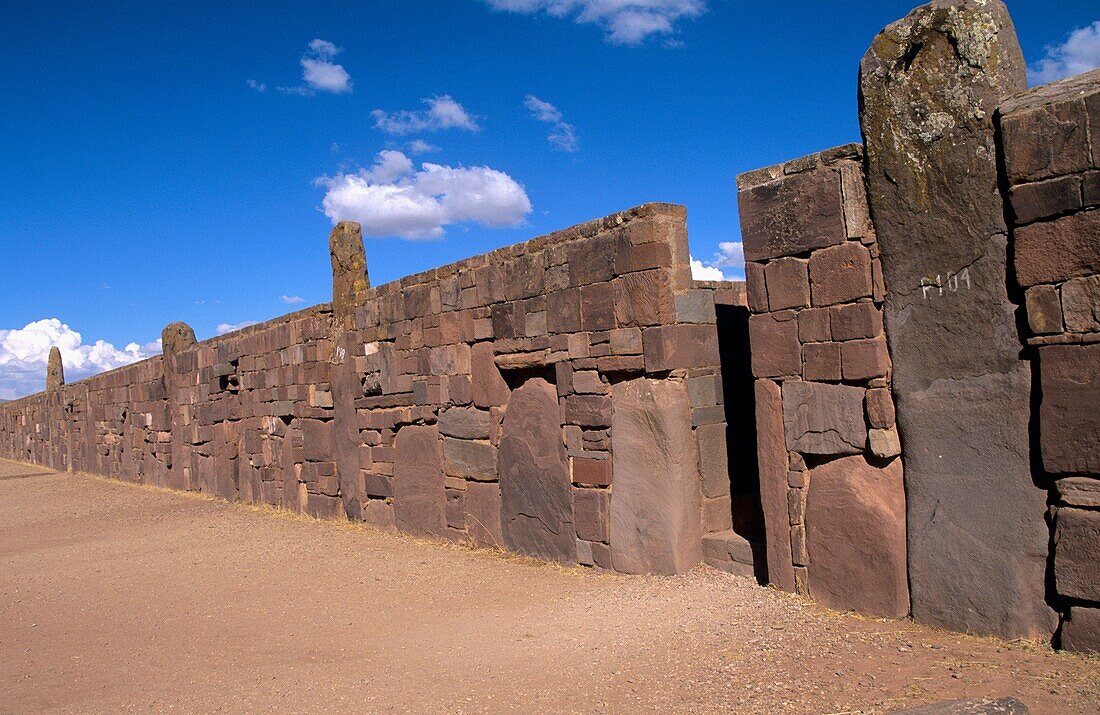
(756, 177)
(1062, 90)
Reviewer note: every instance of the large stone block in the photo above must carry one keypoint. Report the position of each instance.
(483, 514)
(862, 568)
(488, 386)
(776, 351)
(823, 419)
(792, 215)
(1069, 415)
(1077, 554)
(773, 460)
(840, 274)
(670, 347)
(656, 501)
(930, 87)
(1081, 304)
(1054, 251)
(536, 497)
(1044, 140)
(1081, 630)
(788, 284)
(419, 496)
(643, 299)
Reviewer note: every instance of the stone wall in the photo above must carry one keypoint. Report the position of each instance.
(1051, 156)
(830, 478)
(579, 398)
(560, 398)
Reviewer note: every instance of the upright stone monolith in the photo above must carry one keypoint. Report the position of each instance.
(55, 371)
(929, 87)
(349, 278)
(175, 338)
(349, 267)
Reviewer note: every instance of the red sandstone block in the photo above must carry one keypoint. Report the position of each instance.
(788, 283)
(597, 307)
(1046, 198)
(591, 472)
(591, 513)
(1046, 141)
(756, 291)
(776, 351)
(865, 359)
(1054, 251)
(840, 274)
(563, 311)
(855, 321)
(821, 362)
(814, 325)
(792, 215)
(592, 260)
(643, 299)
(587, 410)
(630, 257)
(670, 347)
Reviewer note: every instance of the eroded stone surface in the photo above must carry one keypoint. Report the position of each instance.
(349, 266)
(824, 419)
(655, 503)
(536, 500)
(419, 497)
(772, 457)
(55, 371)
(1069, 415)
(930, 85)
(864, 568)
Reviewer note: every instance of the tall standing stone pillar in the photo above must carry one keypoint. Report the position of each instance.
(173, 339)
(55, 371)
(349, 279)
(53, 417)
(929, 87)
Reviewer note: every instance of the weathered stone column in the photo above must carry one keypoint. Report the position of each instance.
(349, 267)
(55, 371)
(349, 278)
(173, 339)
(929, 87)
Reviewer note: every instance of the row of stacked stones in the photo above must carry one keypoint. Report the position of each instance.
(252, 412)
(114, 424)
(828, 446)
(549, 398)
(1051, 150)
(559, 398)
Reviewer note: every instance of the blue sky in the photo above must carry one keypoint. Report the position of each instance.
(145, 178)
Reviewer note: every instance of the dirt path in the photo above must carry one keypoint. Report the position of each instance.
(115, 597)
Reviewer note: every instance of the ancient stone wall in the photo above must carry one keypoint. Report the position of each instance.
(830, 478)
(1051, 156)
(555, 398)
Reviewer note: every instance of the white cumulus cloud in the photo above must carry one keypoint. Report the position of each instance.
(705, 273)
(442, 113)
(1079, 53)
(25, 351)
(730, 255)
(392, 198)
(564, 134)
(292, 299)
(319, 72)
(625, 22)
(419, 146)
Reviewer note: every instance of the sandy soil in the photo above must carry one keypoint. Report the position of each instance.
(122, 598)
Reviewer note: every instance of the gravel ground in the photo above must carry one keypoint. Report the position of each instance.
(122, 598)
